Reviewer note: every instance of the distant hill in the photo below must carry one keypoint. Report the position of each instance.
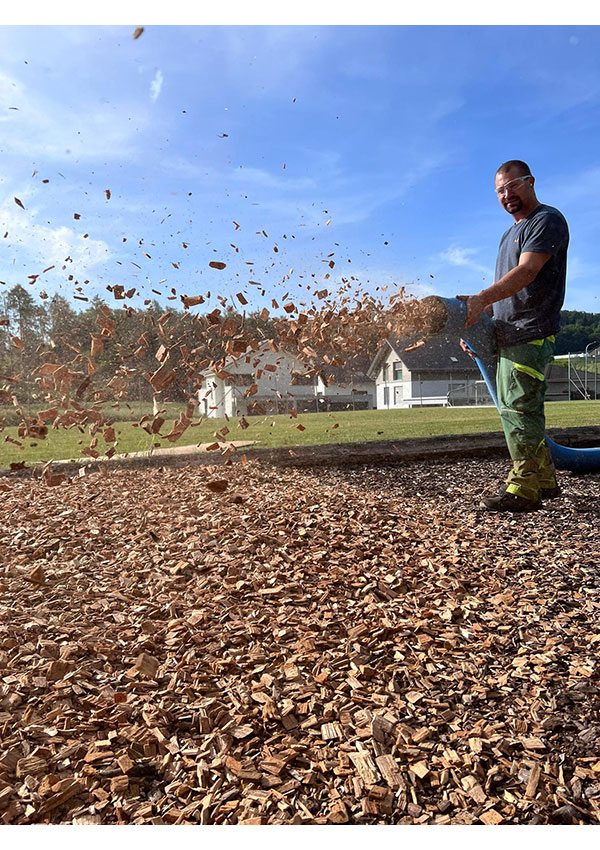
(578, 330)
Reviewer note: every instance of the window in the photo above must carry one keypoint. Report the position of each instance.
(386, 371)
(397, 370)
(302, 380)
(386, 396)
(242, 379)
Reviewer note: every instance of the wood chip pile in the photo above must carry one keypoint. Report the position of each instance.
(249, 645)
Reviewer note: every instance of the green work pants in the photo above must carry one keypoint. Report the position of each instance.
(521, 388)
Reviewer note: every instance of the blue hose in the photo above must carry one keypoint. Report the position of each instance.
(480, 339)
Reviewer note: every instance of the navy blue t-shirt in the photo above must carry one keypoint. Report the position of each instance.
(534, 312)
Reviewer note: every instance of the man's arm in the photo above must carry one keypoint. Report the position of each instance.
(514, 281)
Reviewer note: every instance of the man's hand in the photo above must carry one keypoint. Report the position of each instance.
(513, 281)
(475, 307)
(466, 348)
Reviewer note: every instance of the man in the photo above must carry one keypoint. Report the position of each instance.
(525, 301)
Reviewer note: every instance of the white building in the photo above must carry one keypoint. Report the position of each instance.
(262, 381)
(346, 388)
(268, 382)
(438, 373)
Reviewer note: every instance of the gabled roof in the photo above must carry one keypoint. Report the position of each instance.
(356, 369)
(251, 360)
(441, 353)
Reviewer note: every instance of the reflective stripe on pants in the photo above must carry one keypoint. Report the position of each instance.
(521, 388)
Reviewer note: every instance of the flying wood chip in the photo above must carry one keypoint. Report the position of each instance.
(53, 479)
(37, 575)
(162, 378)
(218, 486)
(147, 665)
(215, 264)
(419, 344)
(191, 300)
(107, 193)
(19, 203)
(138, 31)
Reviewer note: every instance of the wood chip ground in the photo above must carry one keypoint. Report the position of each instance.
(345, 646)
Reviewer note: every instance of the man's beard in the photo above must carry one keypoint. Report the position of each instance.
(516, 205)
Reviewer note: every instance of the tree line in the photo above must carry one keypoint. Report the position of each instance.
(578, 330)
(97, 354)
(122, 352)
(111, 347)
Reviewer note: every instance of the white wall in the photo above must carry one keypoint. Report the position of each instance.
(409, 391)
(227, 399)
(398, 391)
(335, 391)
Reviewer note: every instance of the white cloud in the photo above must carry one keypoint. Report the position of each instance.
(292, 200)
(38, 125)
(156, 85)
(337, 187)
(42, 246)
(267, 180)
(457, 256)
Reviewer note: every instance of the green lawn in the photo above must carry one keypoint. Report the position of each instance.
(319, 428)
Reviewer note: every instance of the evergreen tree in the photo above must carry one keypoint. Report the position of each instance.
(22, 340)
(64, 328)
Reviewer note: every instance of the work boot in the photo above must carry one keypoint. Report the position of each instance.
(509, 502)
(545, 492)
(550, 492)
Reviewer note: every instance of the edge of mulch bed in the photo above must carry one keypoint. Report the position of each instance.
(488, 444)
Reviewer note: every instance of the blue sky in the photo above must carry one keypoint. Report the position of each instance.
(372, 147)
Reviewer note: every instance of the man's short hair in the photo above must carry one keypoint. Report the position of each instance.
(514, 163)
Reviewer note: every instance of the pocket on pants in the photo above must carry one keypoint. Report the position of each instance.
(525, 393)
